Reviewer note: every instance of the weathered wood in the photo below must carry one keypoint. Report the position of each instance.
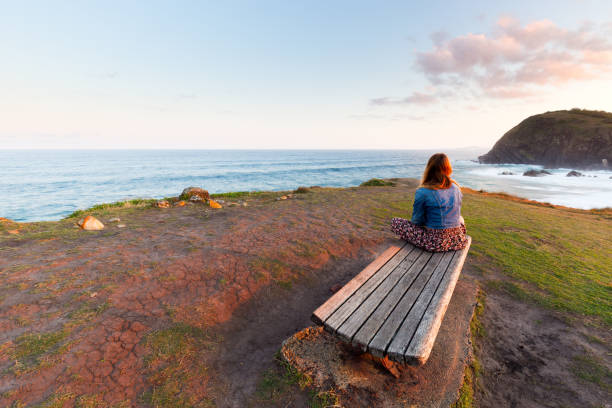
(365, 309)
(395, 306)
(361, 294)
(378, 345)
(327, 308)
(421, 344)
(371, 327)
(408, 328)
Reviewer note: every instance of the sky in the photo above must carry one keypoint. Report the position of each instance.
(294, 74)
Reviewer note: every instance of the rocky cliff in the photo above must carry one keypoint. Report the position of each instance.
(574, 138)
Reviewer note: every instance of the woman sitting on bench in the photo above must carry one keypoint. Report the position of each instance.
(436, 224)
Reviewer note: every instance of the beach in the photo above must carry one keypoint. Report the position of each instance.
(188, 305)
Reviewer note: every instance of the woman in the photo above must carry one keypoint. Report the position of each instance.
(436, 224)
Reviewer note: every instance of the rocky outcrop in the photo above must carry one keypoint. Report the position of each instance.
(575, 138)
(574, 173)
(191, 192)
(536, 173)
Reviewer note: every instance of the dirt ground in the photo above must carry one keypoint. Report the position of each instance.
(187, 306)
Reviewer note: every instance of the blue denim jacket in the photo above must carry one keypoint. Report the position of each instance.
(437, 209)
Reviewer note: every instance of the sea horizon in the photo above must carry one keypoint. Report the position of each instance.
(48, 185)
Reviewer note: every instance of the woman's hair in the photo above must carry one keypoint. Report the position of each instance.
(437, 172)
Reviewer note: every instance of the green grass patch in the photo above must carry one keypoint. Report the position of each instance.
(376, 182)
(587, 368)
(279, 380)
(559, 258)
(241, 194)
(30, 348)
(174, 360)
(323, 399)
(138, 202)
(474, 369)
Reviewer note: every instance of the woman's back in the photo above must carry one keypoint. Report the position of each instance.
(437, 208)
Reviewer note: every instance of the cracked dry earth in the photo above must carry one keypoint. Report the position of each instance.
(137, 316)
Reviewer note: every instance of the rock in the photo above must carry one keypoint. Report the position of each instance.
(214, 204)
(116, 219)
(245, 204)
(120, 225)
(180, 204)
(221, 201)
(13, 232)
(162, 204)
(190, 192)
(536, 173)
(91, 223)
(195, 199)
(506, 173)
(283, 197)
(574, 173)
(575, 138)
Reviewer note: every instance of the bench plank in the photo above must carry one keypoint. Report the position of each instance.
(409, 326)
(362, 293)
(378, 345)
(327, 308)
(347, 330)
(421, 344)
(395, 306)
(371, 327)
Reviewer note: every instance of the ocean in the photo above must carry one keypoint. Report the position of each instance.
(42, 185)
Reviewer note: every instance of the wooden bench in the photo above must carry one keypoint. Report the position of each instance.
(395, 306)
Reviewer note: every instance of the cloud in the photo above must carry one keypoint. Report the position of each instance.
(417, 98)
(517, 59)
(511, 61)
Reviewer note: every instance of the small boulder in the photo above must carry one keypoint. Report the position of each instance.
(214, 204)
(162, 204)
(180, 204)
(120, 225)
(536, 173)
(116, 219)
(283, 197)
(13, 232)
(574, 173)
(91, 223)
(190, 192)
(506, 173)
(245, 204)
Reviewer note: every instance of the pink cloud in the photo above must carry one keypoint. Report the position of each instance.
(514, 60)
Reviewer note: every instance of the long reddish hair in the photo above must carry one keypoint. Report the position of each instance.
(437, 172)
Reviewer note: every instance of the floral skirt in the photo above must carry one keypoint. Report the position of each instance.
(432, 240)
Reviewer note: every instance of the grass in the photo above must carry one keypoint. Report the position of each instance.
(174, 362)
(560, 258)
(473, 370)
(278, 380)
(138, 202)
(587, 368)
(240, 194)
(30, 348)
(375, 182)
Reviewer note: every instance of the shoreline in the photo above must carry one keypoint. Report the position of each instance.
(136, 202)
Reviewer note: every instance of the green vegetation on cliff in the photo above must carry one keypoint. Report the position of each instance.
(574, 138)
